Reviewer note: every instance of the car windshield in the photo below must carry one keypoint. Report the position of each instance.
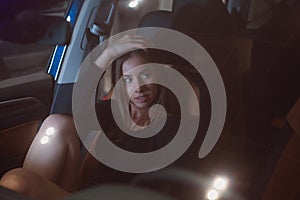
(219, 78)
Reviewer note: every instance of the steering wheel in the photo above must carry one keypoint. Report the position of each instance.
(117, 192)
(182, 184)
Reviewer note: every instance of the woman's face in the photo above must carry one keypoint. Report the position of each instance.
(134, 77)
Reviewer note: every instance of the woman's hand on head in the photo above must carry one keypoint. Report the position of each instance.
(119, 47)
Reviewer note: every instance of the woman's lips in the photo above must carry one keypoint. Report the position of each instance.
(141, 99)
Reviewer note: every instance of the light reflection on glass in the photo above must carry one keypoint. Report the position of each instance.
(45, 140)
(68, 18)
(133, 3)
(220, 183)
(50, 131)
(212, 194)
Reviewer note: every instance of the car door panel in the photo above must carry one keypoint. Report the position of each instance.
(25, 98)
(14, 143)
(24, 102)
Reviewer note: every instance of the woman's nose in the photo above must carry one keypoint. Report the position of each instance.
(140, 86)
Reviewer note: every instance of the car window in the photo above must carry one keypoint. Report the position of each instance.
(17, 59)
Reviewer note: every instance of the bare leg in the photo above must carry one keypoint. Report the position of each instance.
(52, 161)
(26, 182)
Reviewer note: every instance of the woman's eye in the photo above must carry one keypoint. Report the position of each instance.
(127, 79)
(145, 76)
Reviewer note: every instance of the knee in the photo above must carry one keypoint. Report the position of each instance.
(59, 122)
(16, 180)
(61, 125)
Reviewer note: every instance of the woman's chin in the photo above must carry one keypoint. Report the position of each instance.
(141, 105)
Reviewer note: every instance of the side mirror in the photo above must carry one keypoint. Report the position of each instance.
(30, 26)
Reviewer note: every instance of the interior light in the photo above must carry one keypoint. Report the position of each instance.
(44, 140)
(220, 183)
(212, 194)
(133, 3)
(50, 131)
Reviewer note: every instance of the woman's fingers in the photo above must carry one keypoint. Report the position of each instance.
(135, 40)
(132, 36)
(125, 44)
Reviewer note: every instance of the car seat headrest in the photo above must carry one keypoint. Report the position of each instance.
(160, 18)
(178, 4)
(202, 17)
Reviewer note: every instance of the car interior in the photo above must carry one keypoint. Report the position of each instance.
(254, 44)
